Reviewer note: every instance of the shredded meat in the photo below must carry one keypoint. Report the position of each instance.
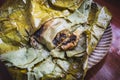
(60, 37)
(66, 40)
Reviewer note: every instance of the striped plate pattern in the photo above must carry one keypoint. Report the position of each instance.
(101, 49)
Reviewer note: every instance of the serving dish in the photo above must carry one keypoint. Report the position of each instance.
(94, 58)
(102, 48)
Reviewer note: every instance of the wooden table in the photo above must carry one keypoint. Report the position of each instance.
(109, 67)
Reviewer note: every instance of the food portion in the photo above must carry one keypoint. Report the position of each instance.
(48, 31)
(50, 39)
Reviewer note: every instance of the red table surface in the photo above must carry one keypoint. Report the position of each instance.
(109, 67)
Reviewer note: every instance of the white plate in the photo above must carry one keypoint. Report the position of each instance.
(102, 48)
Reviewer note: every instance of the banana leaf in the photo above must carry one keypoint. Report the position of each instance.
(95, 33)
(81, 14)
(85, 8)
(13, 23)
(13, 30)
(30, 57)
(66, 4)
(93, 11)
(56, 53)
(39, 11)
(18, 74)
(7, 47)
(77, 18)
(47, 67)
(9, 7)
